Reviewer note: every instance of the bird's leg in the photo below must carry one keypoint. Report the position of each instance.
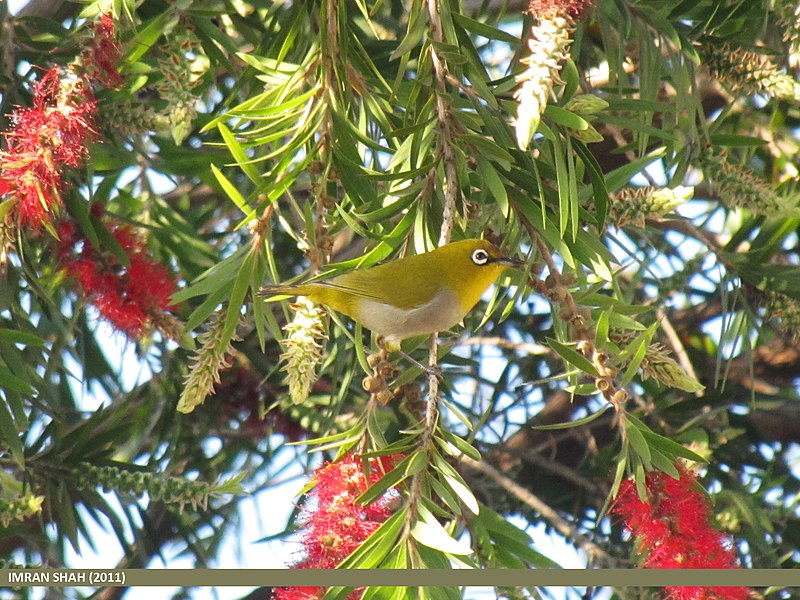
(427, 369)
(394, 346)
(383, 369)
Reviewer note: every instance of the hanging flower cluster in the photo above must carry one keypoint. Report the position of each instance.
(304, 349)
(635, 205)
(335, 524)
(549, 42)
(739, 187)
(45, 139)
(749, 72)
(672, 530)
(131, 297)
(53, 134)
(102, 54)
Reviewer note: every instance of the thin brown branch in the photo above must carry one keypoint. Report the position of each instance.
(440, 76)
(499, 342)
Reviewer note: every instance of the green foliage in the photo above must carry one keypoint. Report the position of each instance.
(655, 322)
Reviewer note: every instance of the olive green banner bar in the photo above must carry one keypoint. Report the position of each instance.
(399, 577)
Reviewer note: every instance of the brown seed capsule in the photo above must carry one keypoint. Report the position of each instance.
(412, 392)
(325, 244)
(373, 360)
(559, 293)
(585, 347)
(602, 384)
(386, 370)
(610, 372)
(384, 397)
(620, 397)
(372, 384)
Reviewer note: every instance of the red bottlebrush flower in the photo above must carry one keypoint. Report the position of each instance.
(103, 54)
(127, 297)
(572, 8)
(337, 525)
(45, 138)
(673, 530)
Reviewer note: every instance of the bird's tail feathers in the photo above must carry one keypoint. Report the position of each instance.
(278, 291)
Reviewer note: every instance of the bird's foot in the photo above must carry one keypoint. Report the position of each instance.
(429, 370)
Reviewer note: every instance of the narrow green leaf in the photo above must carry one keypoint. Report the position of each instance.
(418, 462)
(576, 423)
(110, 243)
(148, 34)
(6, 206)
(444, 494)
(663, 463)
(413, 37)
(736, 141)
(573, 357)
(79, 209)
(10, 381)
(375, 548)
(562, 181)
(236, 299)
(429, 532)
(508, 537)
(639, 350)
(488, 149)
(565, 118)
(619, 473)
(494, 185)
(640, 479)
(638, 443)
(601, 330)
(375, 428)
(390, 479)
(624, 104)
(345, 436)
(9, 433)
(457, 413)
(485, 30)
(665, 445)
(460, 444)
(621, 321)
(231, 191)
(621, 176)
(597, 179)
(202, 312)
(15, 336)
(462, 491)
(242, 160)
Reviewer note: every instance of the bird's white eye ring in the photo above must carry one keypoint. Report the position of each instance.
(480, 257)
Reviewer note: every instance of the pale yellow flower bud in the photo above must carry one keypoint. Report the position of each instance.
(303, 349)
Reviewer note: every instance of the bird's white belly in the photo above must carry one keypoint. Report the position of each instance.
(393, 323)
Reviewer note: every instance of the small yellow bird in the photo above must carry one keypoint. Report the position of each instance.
(415, 295)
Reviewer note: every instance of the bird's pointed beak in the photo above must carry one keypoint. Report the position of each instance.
(512, 261)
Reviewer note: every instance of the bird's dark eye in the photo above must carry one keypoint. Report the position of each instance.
(480, 257)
